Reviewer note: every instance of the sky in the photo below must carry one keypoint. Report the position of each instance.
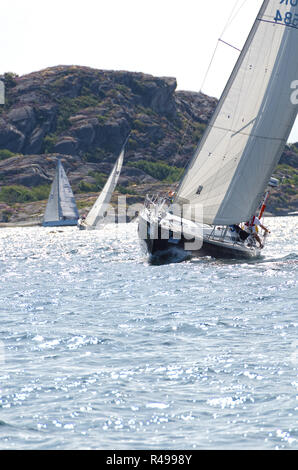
(173, 38)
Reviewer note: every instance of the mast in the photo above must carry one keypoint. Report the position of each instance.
(250, 126)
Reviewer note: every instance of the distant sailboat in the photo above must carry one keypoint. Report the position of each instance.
(61, 209)
(98, 212)
(242, 145)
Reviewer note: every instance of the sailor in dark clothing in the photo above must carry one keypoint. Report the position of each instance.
(243, 235)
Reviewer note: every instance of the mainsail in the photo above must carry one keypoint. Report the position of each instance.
(61, 207)
(97, 213)
(250, 127)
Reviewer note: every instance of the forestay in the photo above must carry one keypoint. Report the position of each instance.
(97, 213)
(252, 122)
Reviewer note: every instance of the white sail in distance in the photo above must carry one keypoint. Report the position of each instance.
(97, 212)
(61, 207)
(52, 208)
(251, 124)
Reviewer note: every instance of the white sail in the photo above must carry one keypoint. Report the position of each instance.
(97, 213)
(252, 122)
(61, 208)
(68, 207)
(52, 208)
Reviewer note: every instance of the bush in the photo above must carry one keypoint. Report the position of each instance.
(40, 193)
(49, 143)
(94, 156)
(159, 170)
(6, 215)
(15, 193)
(124, 190)
(70, 106)
(102, 119)
(140, 125)
(100, 180)
(10, 79)
(133, 144)
(85, 187)
(4, 154)
(198, 131)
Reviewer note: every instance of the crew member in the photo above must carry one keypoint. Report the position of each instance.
(253, 226)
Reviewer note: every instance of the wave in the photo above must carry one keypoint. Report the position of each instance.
(173, 255)
(3, 423)
(291, 258)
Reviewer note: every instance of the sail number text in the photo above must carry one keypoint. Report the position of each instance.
(289, 18)
(293, 3)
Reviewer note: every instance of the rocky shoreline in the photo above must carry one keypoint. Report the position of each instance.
(31, 214)
(82, 116)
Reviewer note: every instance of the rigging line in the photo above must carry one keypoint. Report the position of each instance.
(231, 18)
(277, 22)
(229, 144)
(229, 22)
(209, 66)
(228, 44)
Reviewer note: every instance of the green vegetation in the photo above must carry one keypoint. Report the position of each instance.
(70, 106)
(4, 154)
(140, 125)
(125, 189)
(49, 142)
(198, 131)
(292, 179)
(148, 111)
(84, 205)
(294, 147)
(100, 180)
(15, 193)
(288, 174)
(6, 215)
(10, 79)
(106, 101)
(159, 170)
(123, 89)
(112, 93)
(85, 187)
(138, 87)
(102, 119)
(95, 155)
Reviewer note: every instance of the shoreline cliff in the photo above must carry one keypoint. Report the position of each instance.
(83, 115)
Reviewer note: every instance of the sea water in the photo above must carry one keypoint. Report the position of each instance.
(101, 350)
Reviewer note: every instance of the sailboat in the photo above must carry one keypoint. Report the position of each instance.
(61, 209)
(97, 215)
(229, 173)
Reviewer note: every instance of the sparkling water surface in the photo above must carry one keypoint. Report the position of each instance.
(101, 350)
